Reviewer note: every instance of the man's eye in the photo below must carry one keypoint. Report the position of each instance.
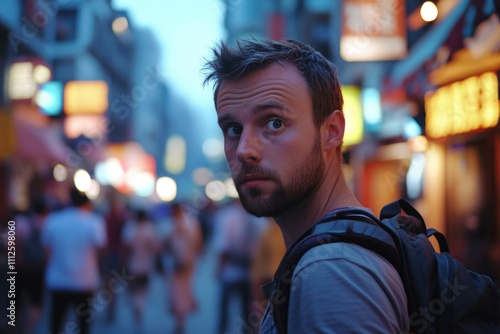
(275, 124)
(233, 130)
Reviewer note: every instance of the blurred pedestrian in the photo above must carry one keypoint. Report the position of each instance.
(31, 262)
(268, 254)
(206, 218)
(73, 238)
(234, 243)
(115, 217)
(184, 243)
(142, 245)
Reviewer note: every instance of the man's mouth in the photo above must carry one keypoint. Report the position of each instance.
(252, 180)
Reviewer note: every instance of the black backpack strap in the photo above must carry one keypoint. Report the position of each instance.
(394, 208)
(441, 239)
(352, 226)
(414, 221)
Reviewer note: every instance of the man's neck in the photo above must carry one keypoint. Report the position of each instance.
(332, 194)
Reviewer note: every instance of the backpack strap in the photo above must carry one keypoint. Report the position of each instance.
(394, 208)
(441, 239)
(413, 221)
(353, 226)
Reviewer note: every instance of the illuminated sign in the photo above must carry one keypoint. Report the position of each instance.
(85, 97)
(49, 98)
(24, 77)
(373, 30)
(463, 106)
(353, 114)
(90, 126)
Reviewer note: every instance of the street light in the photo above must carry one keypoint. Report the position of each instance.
(429, 11)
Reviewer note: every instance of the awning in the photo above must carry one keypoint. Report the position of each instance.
(39, 144)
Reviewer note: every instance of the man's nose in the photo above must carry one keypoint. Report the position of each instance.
(249, 147)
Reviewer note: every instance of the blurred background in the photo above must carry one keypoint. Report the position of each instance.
(107, 96)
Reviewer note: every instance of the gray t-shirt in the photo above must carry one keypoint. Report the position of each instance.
(344, 288)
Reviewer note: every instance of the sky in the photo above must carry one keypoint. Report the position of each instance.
(185, 31)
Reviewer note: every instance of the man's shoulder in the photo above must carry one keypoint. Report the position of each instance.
(343, 254)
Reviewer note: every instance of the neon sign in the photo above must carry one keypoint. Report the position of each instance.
(463, 106)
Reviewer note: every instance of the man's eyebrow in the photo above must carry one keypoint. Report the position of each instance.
(224, 119)
(269, 105)
(261, 107)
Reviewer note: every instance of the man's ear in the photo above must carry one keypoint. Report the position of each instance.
(332, 130)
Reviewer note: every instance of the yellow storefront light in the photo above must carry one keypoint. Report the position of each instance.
(353, 115)
(85, 97)
(463, 106)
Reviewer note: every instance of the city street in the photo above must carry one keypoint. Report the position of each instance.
(124, 122)
(157, 318)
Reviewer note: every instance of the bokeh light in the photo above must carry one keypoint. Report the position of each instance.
(429, 11)
(166, 188)
(82, 180)
(215, 190)
(60, 173)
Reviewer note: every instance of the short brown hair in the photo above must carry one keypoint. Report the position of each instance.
(251, 55)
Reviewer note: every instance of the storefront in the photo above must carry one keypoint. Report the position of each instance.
(454, 68)
(462, 123)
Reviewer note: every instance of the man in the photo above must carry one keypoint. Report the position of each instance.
(279, 106)
(73, 237)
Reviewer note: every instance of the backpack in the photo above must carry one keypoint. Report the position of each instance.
(443, 296)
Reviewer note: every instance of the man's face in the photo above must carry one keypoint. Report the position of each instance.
(271, 143)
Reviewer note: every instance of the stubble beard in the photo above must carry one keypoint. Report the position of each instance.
(304, 180)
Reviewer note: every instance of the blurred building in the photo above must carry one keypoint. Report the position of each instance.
(71, 91)
(426, 89)
(83, 92)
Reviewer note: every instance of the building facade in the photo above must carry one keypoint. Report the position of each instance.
(451, 177)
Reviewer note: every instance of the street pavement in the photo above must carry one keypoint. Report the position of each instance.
(157, 318)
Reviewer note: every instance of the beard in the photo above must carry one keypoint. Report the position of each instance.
(287, 194)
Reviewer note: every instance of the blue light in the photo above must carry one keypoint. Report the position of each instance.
(411, 128)
(49, 98)
(415, 176)
(372, 109)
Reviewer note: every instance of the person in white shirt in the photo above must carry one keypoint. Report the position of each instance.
(72, 238)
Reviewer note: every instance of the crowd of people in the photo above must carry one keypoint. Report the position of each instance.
(72, 250)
